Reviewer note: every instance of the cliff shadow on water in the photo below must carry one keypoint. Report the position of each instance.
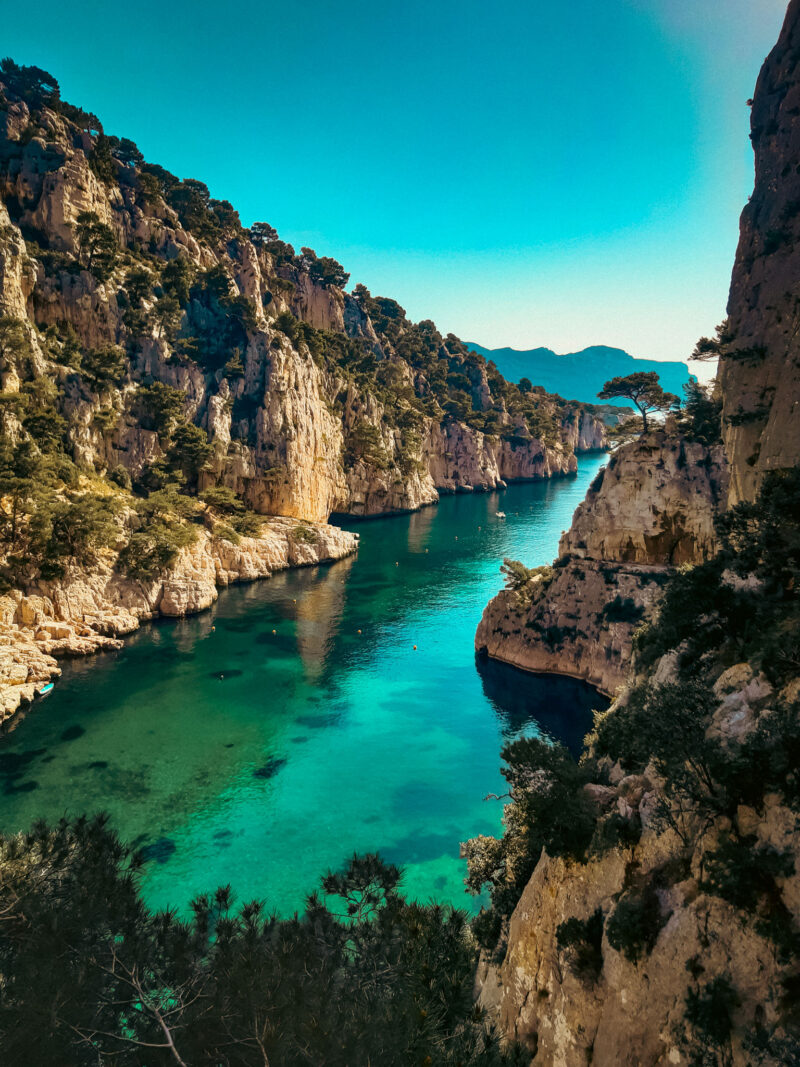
(561, 707)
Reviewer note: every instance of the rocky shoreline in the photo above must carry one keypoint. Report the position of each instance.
(87, 612)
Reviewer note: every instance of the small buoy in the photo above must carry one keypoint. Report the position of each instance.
(479, 527)
(415, 648)
(213, 628)
(397, 564)
(295, 600)
(456, 537)
(221, 677)
(359, 631)
(274, 631)
(426, 550)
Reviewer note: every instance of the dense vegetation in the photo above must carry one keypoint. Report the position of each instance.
(89, 974)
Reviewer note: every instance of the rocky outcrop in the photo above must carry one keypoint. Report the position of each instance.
(577, 621)
(633, 1011)
(654, 503)
(760, 366)
(88, 611)
(649, 510)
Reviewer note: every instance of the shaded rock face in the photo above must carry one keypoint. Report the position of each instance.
(88, 611)
(577, 623)
(651, 509)
(760, 369)
(281, 424)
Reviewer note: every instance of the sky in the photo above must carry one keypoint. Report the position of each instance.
(523, 173)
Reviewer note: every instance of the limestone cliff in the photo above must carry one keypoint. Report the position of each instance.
(314, 399)
(760, 348)
(649, 510)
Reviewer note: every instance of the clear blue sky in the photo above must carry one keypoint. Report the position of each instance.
(524, 173)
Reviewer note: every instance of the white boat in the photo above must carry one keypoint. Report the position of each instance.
(500, 514)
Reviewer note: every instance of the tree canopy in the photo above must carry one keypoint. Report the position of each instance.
(89, 974)
(644, 389)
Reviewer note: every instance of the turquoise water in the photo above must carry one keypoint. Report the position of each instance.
(267, 740)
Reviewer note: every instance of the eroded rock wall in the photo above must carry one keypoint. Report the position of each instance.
(649, 510)
(760, 367)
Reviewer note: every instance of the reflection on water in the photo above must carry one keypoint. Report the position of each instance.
(263, 742)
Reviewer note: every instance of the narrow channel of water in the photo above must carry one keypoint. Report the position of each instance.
(295, 723)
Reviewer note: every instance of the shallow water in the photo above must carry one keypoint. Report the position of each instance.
(268, 739)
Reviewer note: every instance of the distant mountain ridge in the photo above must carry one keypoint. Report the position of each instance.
(580, 375)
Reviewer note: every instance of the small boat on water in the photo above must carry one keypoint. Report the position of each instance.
(43, 690)
(500, 514)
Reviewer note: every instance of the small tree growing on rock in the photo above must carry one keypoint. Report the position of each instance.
(644, 389)
(97, 246)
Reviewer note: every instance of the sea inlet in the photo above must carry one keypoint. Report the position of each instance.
(323, 712)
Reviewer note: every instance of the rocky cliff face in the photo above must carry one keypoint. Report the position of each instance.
(760, 352)
(633, 1012)
(651, 509)
(314, 399)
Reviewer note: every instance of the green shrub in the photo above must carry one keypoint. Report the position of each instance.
(365, 444)
(361, 976)
(97, 245)
(702, 413)
(248, 524)
(709, 1011)
(226, 532)
(615, 831)
(623, 610)
(152, 548)
(162, 533)
(516, 574)
(635, 924)
(287, 324)
(306, 534)
(120, 476)
(744, 873)
(582, 940)
(668, 723)
(189, 451)
(106, 365)
(223, 498)
(162, 404)
(106, 420)
(548, 810)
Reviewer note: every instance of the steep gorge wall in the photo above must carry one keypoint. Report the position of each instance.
(760, 366)
(281, 425)
(653, 509)
(650, 510)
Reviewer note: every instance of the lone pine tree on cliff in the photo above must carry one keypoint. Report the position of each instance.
(644, 389)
